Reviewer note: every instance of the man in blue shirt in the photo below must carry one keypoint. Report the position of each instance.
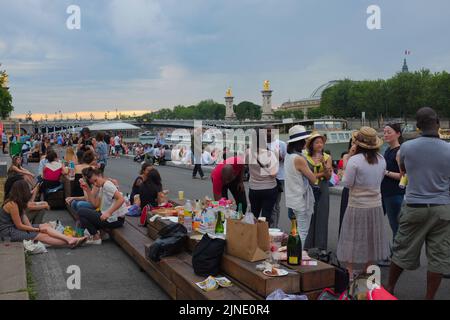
(425, 216)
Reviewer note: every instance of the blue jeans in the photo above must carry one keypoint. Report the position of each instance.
(77, 205)
(392, 206)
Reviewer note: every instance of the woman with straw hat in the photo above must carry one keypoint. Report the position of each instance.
(320, 164)
(363, 240)
(298, 176)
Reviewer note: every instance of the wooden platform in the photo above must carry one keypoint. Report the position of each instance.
(174, 274)
(309, 280)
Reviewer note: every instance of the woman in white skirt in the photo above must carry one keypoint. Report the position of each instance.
(363, 240)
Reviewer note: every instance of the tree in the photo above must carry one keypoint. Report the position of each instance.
(286, 114)
(6, 106)
(248, 110)
(315, 113)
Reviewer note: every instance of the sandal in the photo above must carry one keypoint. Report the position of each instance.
(79, 243)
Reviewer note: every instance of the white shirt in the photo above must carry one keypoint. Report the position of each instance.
(297, 187)
(107, 193)
(280, 149)
(206, 158)
(117, 141)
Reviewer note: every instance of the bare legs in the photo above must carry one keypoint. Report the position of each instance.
(54, 238)
(433, 281)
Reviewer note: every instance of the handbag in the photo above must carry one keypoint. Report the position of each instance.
(172, 241)
(342, 277)
(144, 214)
(207, 256)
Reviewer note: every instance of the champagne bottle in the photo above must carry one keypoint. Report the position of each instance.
(294, 246)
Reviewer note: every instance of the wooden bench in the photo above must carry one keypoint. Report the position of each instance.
(34, 160)
(309, 280)
(174, 274)
(244, 272)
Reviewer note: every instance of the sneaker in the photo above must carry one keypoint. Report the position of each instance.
(194, 177)
(105, 236)
(92, 241)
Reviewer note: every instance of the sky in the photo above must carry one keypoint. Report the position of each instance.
(142, 55)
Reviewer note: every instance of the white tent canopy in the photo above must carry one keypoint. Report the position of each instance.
(113, 126)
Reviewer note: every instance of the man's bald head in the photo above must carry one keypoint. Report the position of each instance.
(227, 174)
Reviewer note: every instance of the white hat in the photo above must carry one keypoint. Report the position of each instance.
(297, 133)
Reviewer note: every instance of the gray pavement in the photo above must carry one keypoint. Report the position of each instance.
(108, 273)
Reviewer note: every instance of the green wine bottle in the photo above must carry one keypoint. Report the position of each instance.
(219, 223)
(294, 246)
(240, 212)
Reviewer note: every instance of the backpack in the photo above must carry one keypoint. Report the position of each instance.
(144, 214)
(172, 240)
(207, 256)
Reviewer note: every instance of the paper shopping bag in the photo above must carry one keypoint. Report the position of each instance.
(249, 242)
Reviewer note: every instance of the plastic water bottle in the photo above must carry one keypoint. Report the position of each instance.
(188, 216)
(72, 170)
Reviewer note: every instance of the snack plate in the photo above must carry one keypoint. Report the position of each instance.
(281, 273)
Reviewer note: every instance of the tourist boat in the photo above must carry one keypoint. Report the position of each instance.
(147, 137)
(444, 134)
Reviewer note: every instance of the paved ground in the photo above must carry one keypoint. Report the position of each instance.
(109, 273)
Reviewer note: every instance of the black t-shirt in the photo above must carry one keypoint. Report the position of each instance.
(135, 189)
(148, 193)
(389, 186)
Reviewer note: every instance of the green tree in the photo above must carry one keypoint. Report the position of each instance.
(286, 114)
(248, 110)
(6, 106)
(315, 113)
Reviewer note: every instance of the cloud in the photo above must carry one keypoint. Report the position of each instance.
(141, 54)
(137, 19)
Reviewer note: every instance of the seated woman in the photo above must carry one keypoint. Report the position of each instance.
(35, 152)
(70, 155)
(16, 168)
(35, 209)
(85, 160)
(145, 169)
(108, 199)
(53, 170)
(15, 225)
(151, 190)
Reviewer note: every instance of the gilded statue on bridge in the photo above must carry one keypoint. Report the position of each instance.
(229, 93)
(4, 80)
(267, 85)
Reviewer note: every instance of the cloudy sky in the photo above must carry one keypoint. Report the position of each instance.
(148, 54)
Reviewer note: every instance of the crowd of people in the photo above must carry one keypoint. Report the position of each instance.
(299, 169)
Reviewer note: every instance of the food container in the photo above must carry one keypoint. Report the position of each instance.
(276, 237)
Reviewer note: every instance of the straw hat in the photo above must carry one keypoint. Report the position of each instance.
(297, 133)
(314, 136)
(367, 138)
